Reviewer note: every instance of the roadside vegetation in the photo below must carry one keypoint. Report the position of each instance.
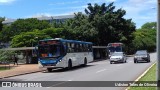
(4, 68)
(149, 76)
(5, 59)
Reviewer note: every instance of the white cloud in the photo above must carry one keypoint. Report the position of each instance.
(39, 15)
(100, 1)
(64, 3)
(6, 1)
(141, 11)
(71, 7)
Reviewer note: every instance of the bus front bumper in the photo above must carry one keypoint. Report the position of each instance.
(46, 65)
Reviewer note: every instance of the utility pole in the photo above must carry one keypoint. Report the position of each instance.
(158, 44)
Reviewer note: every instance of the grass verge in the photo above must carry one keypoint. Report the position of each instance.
(149, 76)
(4, 68)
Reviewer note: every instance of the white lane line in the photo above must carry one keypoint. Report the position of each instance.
(142, 74)
(145, 72)
(120, 65)
(101, 70)
(59, 83)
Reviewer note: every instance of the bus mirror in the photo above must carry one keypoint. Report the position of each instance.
(36, 47)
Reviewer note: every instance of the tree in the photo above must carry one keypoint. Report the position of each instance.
(54, 32)
(6, 34)
(110, 24)
(28, 39)
(1, 20)
(145, 38)
(6, 55)
(22, 25)
(79, 28)
(101, 25)
(149, 25)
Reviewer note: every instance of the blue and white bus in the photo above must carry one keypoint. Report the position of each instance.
(61, 53)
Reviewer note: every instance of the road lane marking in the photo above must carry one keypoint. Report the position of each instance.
(101, 70)
(145, 72)
(142, 74)
(119, 65)
(59, 83)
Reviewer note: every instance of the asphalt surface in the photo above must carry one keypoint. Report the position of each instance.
(95, 71)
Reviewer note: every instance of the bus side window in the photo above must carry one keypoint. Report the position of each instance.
(69, 49)
(90, 47)
(80, 48)
(85, 48)
(72, 47)
(76, 47)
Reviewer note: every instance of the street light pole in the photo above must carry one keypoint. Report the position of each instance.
(158, 44)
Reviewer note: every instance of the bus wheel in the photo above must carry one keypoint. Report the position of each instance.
(49, 69)
(85, 62)
(69, 64)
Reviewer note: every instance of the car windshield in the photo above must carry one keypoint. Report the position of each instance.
(117, 54)
(141, 53)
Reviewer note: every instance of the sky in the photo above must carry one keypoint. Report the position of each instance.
(140, 11)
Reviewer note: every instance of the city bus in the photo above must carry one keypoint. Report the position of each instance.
(114, 47)
(61, 53)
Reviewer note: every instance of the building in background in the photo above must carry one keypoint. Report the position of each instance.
(50, 19)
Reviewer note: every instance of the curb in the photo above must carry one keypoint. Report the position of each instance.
(21, 74)
(142, 74)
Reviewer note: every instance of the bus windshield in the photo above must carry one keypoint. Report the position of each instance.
(115, 49)
(50, 51)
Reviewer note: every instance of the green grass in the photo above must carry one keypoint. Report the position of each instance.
(149, 76)
(4, 68)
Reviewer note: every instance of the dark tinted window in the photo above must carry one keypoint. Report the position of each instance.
(141, 52)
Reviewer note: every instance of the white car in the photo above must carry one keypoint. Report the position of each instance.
(118, 57)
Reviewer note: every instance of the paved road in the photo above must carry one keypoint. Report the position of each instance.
(96, 71)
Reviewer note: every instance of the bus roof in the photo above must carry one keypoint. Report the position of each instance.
(64, 40)
(115, 43)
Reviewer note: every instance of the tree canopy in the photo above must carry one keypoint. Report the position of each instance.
(1, 20)
(149, 25)
(145, 38)
(101, 25)
(29, 39)
(22, 25)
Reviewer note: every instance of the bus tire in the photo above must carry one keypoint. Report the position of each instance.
(69, 65)
(49, 69)
(85, 62)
